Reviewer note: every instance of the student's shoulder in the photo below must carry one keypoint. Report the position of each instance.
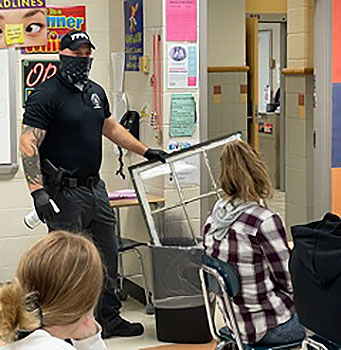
(40, 340)
(259, 214)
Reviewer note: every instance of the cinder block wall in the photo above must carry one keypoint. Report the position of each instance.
(227, 103)
(299, 112)
(299, 149)
(227, 106)
(226, 33)
(227, 83)
(139, 93)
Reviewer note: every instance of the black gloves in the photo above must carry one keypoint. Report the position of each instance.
(156, 154)
(43, 205)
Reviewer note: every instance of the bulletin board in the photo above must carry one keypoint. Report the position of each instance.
(8, 129)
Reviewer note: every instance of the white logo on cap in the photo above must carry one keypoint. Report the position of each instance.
(77, 36)
(96, 101)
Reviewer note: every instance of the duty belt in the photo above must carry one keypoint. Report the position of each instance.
(73, 182)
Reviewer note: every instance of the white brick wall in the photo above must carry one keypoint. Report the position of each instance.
(226, 33)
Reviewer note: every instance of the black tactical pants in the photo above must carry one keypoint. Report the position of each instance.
(86, 208)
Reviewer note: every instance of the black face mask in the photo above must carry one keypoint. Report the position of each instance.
(75, 69)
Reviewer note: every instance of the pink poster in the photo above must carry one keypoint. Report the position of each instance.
(181, 20)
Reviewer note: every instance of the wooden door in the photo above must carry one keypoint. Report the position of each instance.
(252, 62)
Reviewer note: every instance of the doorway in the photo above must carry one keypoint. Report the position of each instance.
(266, 52)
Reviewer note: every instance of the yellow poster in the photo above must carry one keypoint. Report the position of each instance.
(23, 23)
(14, 33)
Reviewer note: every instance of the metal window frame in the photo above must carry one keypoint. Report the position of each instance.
(138, 182)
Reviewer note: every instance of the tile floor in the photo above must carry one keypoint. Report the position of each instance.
(134, 311)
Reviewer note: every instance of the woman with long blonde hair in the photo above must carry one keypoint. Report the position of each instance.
(55, 291)
(252, 238)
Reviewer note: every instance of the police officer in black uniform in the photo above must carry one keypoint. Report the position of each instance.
(61, 148)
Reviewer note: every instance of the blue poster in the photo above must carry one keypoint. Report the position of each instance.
(133, 22)
(336, 154)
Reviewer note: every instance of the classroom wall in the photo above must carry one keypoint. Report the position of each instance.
(300, 112)
(15, 201)
(139, 93)
(301, 14)
(175, 220)
(106, 28)
(266, 6)
(226, 33)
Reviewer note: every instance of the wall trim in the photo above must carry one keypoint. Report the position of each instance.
(228, 69)
(298, 71)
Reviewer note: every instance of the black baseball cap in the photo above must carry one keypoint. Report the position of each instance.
(73, 40)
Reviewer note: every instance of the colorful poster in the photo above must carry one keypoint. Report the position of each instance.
(336, 132)
(133, 23)
(60, 20)
(36, 72)
(181, 20)
(22, 23)
(183, 115)
(183, 66)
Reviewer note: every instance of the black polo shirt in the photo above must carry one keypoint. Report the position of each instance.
(73, 120)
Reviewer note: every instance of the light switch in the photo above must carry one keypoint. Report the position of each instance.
(144, 64)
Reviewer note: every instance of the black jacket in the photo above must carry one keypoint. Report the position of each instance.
(315, 267)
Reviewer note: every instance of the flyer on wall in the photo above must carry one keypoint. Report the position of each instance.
(183, 66)
(181, 20)
(133, 24)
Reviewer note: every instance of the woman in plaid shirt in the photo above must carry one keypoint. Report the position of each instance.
(252, 238)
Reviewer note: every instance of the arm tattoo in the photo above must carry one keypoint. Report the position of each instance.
(35, 133)
(31, 139)
(32, 169)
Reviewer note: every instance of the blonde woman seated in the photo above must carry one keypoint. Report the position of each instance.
(57, 286)
(252, 238)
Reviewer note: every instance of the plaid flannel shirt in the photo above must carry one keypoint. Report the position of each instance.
(256, 245)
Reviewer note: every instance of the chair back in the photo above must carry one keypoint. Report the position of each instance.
(227, 272)
(223, 280)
